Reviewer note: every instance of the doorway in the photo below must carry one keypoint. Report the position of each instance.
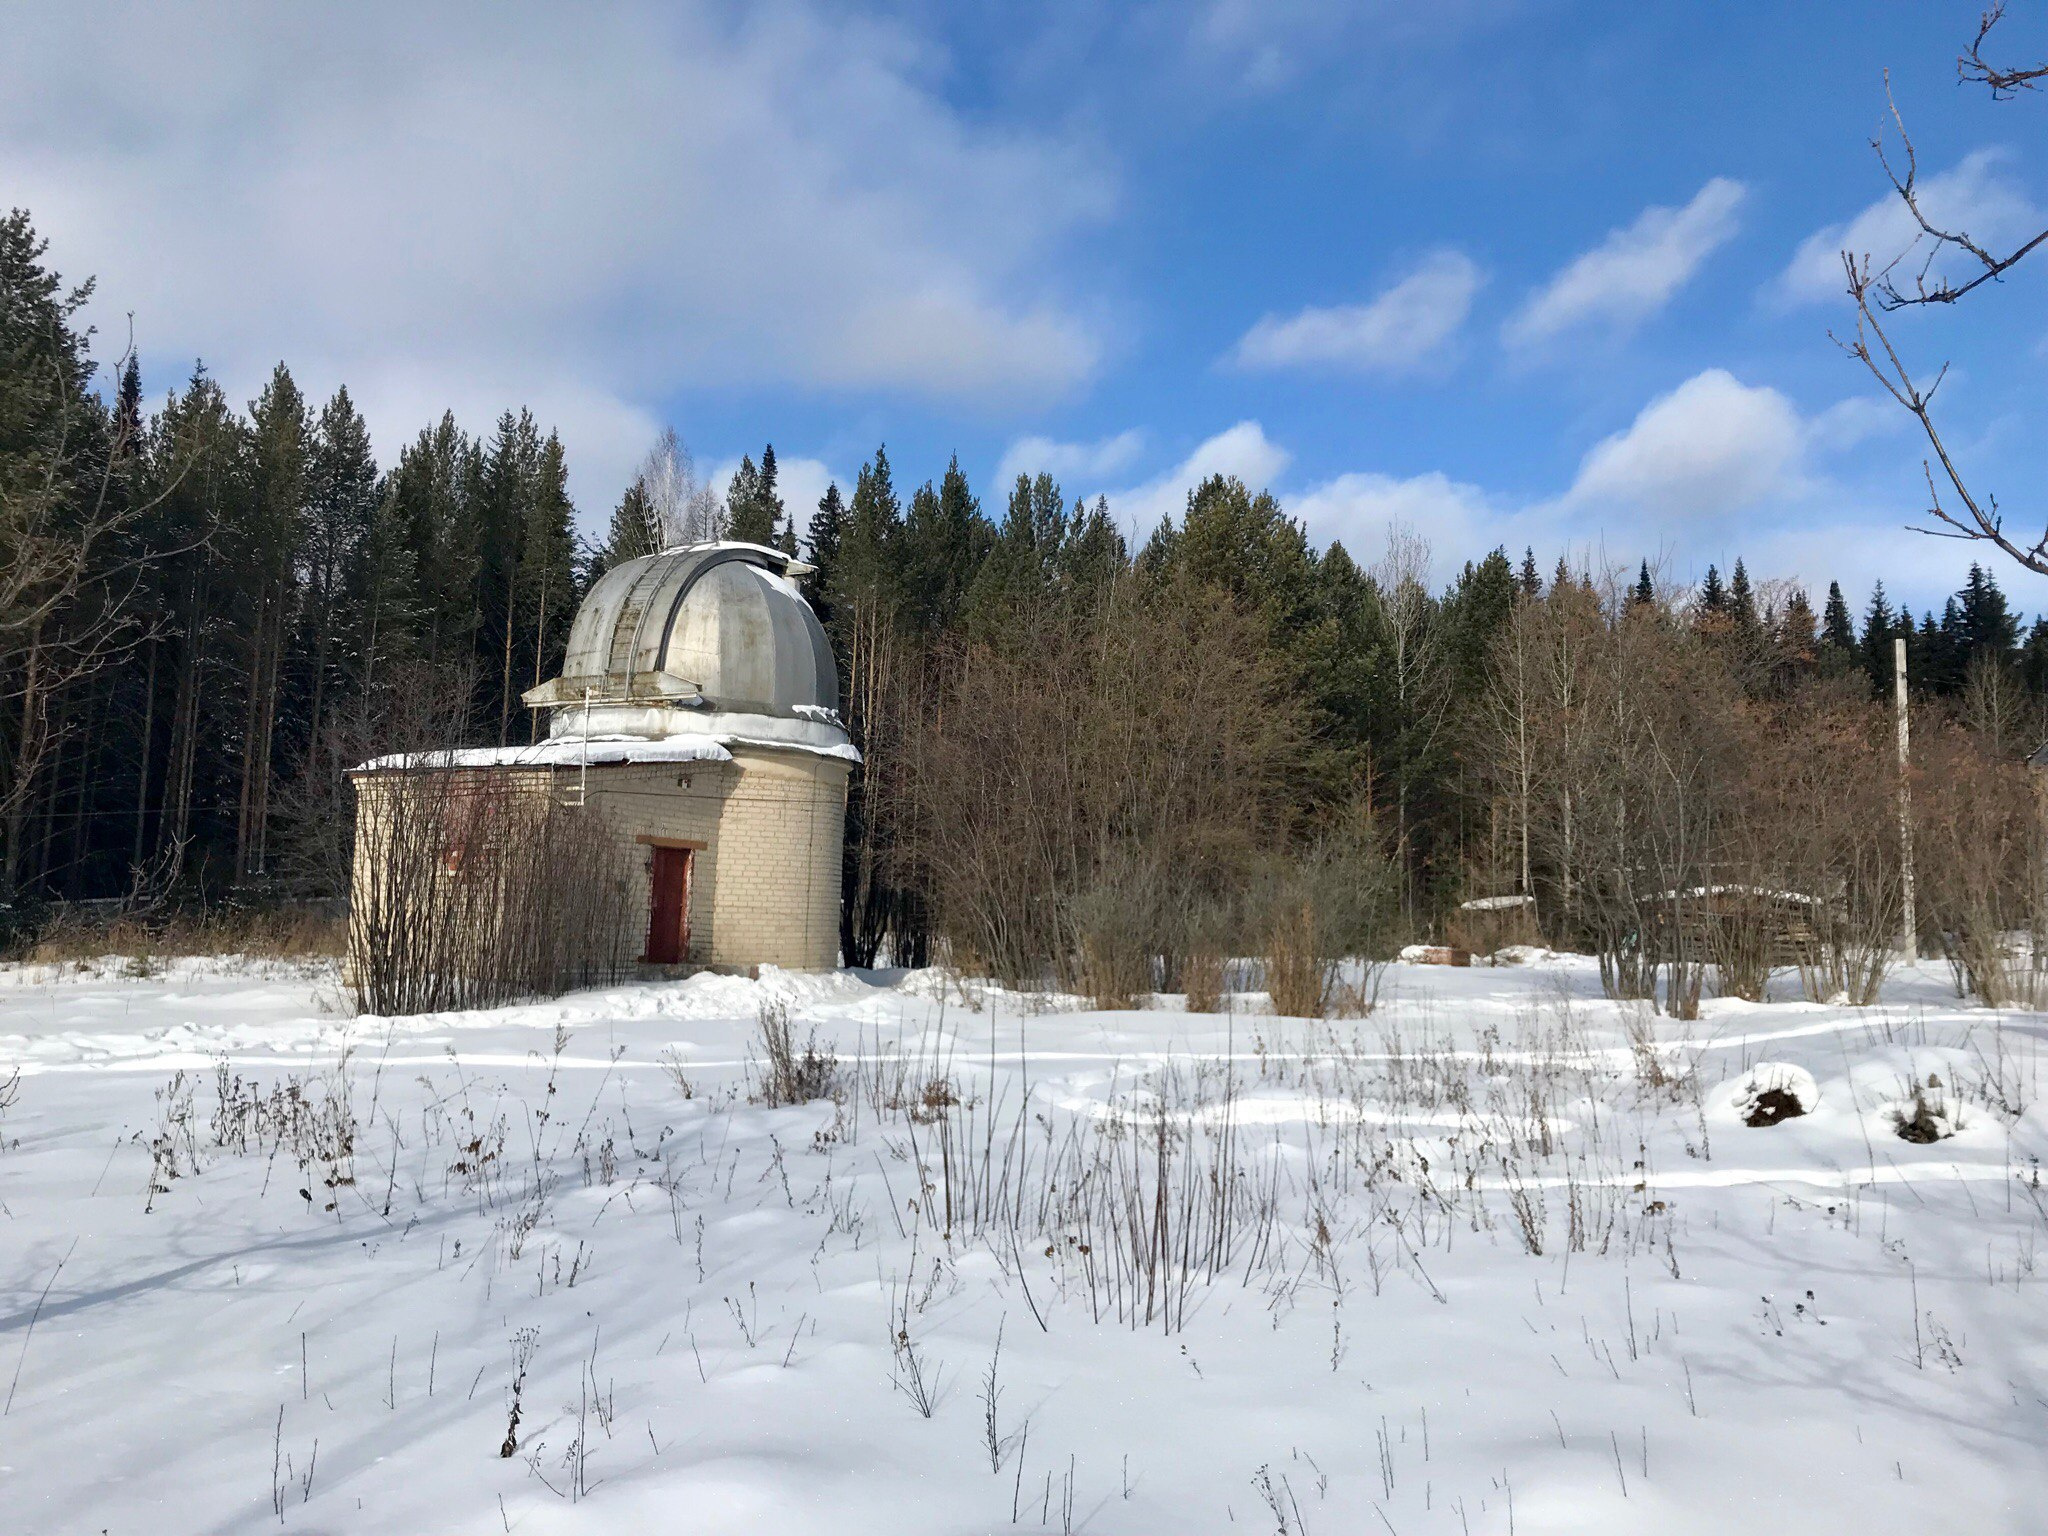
(668, 905)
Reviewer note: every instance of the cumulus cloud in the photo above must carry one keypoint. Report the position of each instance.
(1709, 449)
(1243, 450)
(583, 209)
(1973, 196)
(1712, 469)
(1069, 461)
(1634, 272)
(1360, 509)
(1402, 330)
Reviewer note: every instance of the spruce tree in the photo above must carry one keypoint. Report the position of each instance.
(1645, 593)
(439, 482)
(1837, 629)
(944, 539)
(827, 529)
(1713, 595)
(1986, 624)
(127, 440)
(865, 573)
(1880, 627)
(753, 505)
(1019, 569)
(1797, 646)
(631, 534)
(546, 588)
(1742, 602)
(341, 507)
(1531, 583)
(267, 548)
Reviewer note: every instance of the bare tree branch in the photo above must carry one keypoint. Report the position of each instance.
(1973, 69)
(1939, 290)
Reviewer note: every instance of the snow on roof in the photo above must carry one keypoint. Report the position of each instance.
(561, 752)
(1738, 890)
(1495, 903)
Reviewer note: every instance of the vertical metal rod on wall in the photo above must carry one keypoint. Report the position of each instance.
(1909, 926)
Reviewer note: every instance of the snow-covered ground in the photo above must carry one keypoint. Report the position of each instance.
(1500, 1258)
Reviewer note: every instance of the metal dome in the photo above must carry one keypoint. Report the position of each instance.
(713, 628)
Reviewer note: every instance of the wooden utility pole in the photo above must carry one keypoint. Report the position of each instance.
(1909, 928)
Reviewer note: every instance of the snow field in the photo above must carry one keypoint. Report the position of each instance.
(1502, 1257)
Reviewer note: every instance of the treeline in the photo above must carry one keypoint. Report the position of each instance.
(1084, 759)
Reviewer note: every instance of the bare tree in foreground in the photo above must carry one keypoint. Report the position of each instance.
(1877, 290)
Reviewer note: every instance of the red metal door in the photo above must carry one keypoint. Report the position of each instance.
(668, 907)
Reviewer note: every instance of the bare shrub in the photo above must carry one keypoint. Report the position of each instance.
(476, 888)
(1085, 776)
(1978, 837)
(1118, 927)
(1299, 976)
(1742, 939)
(1201, 979)
(792, 1073)
(1334, 901)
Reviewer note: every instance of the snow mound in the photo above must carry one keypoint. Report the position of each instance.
(1772, 1091)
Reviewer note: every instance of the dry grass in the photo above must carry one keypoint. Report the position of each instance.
(1201, 978)
(267, 935)
(1298, 977)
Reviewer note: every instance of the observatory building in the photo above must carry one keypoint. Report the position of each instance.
(697, 719)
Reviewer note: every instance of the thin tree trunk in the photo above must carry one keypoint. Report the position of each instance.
(142, 766)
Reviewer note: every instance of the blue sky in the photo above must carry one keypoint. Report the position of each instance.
(1538, 272)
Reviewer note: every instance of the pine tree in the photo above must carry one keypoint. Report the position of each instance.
(1531, 583)
(1645, 594)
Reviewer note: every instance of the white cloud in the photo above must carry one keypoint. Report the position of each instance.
(1847, 423)
(1243, 450)
(604, 206)
(1065, 461)
(1358, 509)
(1633, 272)
(1709, 449)
(1971, 197)
(1711, 470)
(1403, 329)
